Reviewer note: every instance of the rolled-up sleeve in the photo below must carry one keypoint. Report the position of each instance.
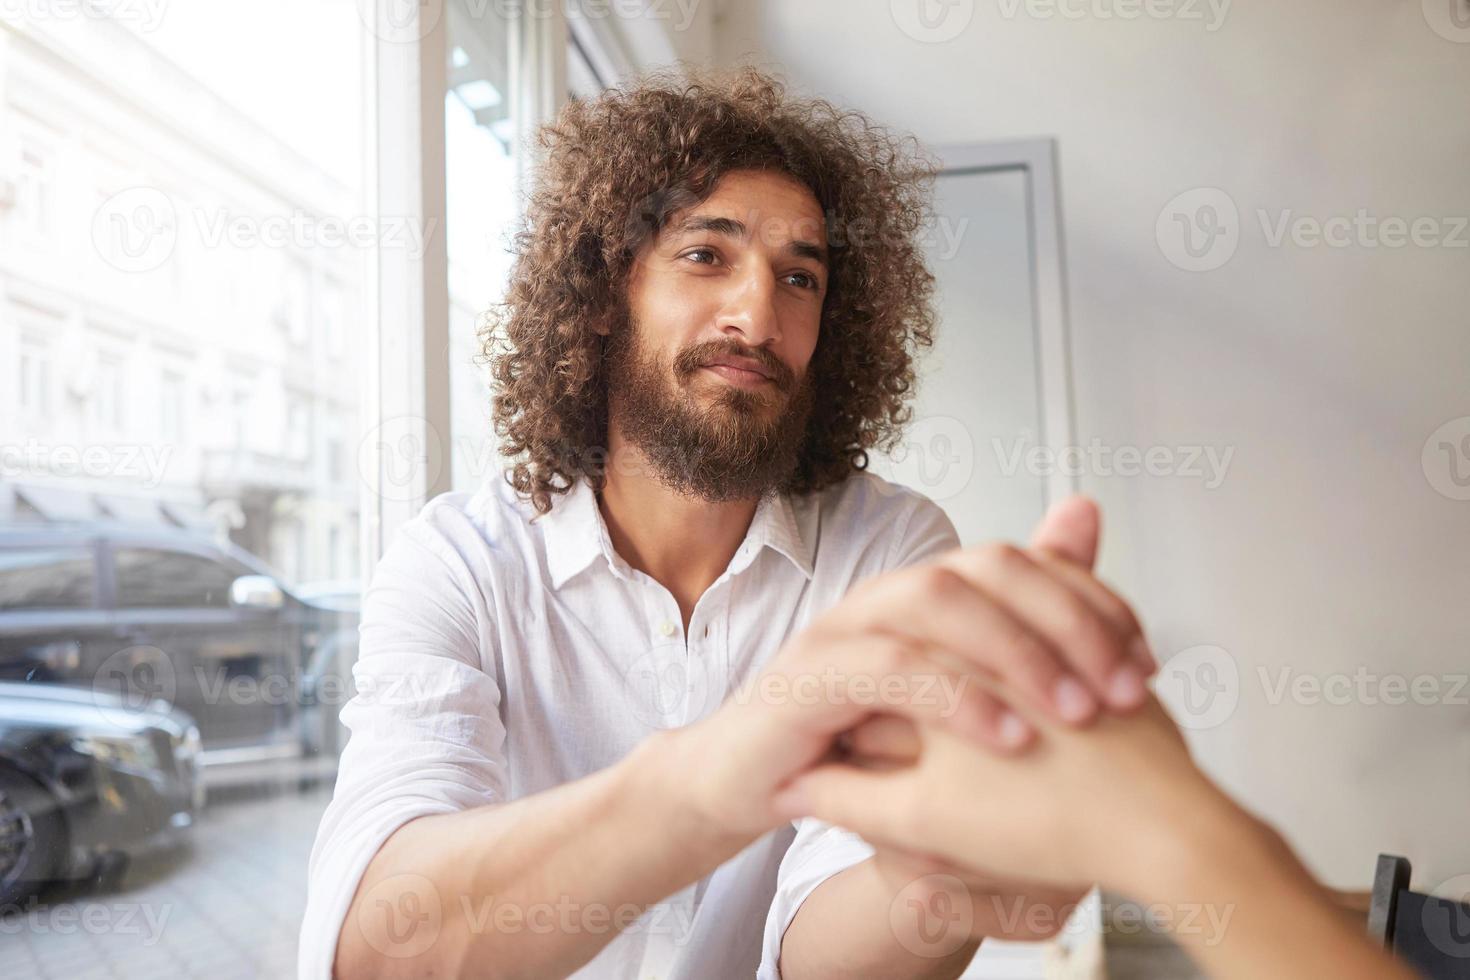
(425, 730)
(819, 849)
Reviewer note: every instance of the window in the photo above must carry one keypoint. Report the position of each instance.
(334, 329)
(298, 428)
(480, 175)
(336, 466)
(242, 401)
(249, 264)
(46, 578)
(293, 313)
(583, 79)
(108, 394)
(33, 384)
(172, 408)
(35, 194)
(152, 578)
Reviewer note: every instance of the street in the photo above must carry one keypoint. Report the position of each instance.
(226, 905)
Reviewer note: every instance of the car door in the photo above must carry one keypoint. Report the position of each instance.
(234, 669)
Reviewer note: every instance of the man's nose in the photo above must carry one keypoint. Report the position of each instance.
(750, 309)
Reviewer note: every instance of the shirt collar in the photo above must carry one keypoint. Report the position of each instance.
(575, 534)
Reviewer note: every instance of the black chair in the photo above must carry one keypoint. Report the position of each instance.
(1430, 934)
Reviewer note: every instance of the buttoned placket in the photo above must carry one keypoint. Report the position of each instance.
(703, 666)
(707, 679)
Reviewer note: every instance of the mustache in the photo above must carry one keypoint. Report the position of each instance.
(691, 359)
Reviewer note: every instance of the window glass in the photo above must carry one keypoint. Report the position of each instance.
(187, 235)
(46, 578)
(153, 578)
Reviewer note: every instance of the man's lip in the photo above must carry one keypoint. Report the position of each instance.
(739, 366)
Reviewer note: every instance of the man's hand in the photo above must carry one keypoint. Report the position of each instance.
(932, 644)
(1023, 911)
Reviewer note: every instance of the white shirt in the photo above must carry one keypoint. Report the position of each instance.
(500, 658)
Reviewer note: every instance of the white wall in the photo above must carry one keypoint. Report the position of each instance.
(1327, 547)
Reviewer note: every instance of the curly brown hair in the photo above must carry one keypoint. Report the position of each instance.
(614, 170)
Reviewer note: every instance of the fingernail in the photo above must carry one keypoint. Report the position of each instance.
(1143, 654)
(1126, 689)
(1074, 702)
(1013, 729)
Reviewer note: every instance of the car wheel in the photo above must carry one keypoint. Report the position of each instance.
(32, 836)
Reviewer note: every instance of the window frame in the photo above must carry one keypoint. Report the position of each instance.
(407, 389)
(1037, 160)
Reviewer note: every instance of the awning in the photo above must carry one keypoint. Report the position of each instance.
(36, 503)
(188, 515)
(57, 503)
(133, 510)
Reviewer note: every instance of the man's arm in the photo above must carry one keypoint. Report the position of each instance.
(536, 887)
(426, 757)
(422, 864)
(846, 928)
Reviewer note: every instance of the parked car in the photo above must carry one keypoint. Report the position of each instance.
(147, 613)
(344, 594)
(87, 780)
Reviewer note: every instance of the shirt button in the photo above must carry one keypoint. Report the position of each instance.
(666, 628)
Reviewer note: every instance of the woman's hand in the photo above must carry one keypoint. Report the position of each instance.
(1103, 804)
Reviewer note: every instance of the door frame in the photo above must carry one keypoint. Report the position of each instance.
(1036, 159)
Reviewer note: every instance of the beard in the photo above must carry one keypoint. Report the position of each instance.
(703, 436)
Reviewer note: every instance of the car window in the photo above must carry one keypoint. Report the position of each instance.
(46, 578)
(152, 578)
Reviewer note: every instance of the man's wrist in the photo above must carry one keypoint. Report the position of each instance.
(671, 769)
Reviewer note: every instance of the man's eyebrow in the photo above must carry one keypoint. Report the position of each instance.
(735, 228)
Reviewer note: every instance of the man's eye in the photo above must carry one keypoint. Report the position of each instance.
(807, 280)
(701, 251)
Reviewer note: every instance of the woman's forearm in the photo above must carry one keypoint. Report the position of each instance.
(1279, 922)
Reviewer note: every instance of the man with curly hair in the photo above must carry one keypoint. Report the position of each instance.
(582, 688)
